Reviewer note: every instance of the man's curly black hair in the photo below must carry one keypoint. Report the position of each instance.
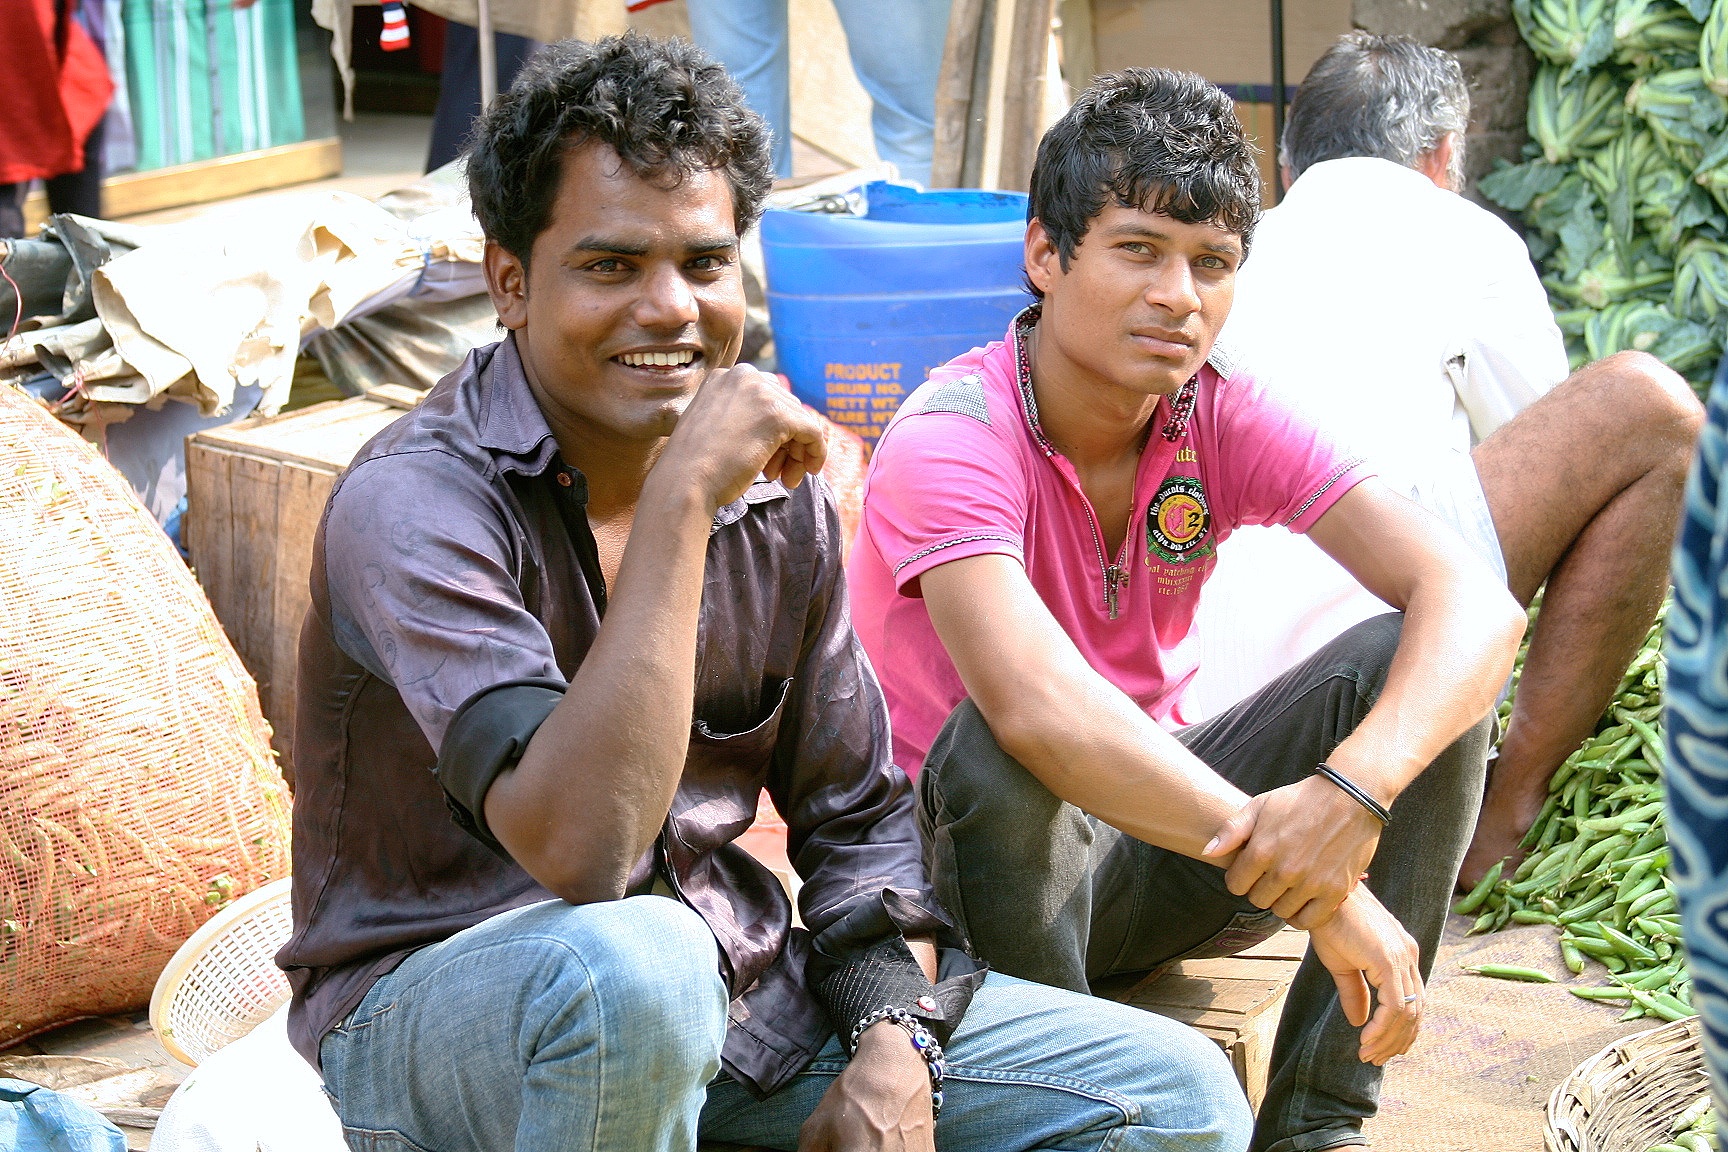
(663, 106)
(1152, 139)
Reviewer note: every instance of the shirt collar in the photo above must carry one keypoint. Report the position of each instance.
(1359, 176)
(511, 423)
(1174, 413)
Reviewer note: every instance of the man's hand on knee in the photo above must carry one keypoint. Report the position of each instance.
(1377, 967)
(1300, 850)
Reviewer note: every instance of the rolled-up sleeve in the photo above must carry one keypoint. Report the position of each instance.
(850, 815)
(425, 595)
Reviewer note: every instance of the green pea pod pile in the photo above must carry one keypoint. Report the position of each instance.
(1624, 184)
(1694, 1130)
(1597, 868)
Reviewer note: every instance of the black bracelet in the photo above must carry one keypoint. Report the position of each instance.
(926, 1045)
(1356, 793)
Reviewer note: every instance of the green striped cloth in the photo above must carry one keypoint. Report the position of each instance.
(206, 79)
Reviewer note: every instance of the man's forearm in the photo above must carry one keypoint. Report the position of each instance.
(594, 785)
(1460, 634)
(1080, 735)
(1092, 746)
(1455, 652)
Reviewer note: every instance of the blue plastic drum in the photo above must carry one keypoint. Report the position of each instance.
(864, 306)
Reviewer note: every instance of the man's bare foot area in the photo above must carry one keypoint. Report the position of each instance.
(1499, 830)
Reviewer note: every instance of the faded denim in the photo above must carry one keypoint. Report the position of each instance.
(581, 1029)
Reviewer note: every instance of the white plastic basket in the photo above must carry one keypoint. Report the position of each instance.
(223, 981)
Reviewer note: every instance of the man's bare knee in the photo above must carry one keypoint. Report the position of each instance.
(1656, 399)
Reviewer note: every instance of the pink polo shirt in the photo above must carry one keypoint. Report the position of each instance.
(964, 469)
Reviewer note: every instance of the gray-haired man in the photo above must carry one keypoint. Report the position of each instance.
(1411, 322)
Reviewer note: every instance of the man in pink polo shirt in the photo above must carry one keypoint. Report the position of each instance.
(1038, 521)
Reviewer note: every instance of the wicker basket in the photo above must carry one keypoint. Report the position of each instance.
(224, 982)
(1625, 1098)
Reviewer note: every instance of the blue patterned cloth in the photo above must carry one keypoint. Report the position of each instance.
(1697, 739)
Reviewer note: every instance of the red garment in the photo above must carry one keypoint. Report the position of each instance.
(55, 93)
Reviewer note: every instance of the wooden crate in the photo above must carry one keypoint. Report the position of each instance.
(1234, 1000)
(254, 494)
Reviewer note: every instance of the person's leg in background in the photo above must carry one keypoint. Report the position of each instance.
(459, 86)
(12, 210)
(896, 50)
(551, 1027)
(1696, 719)
(81, 191)
(749, 37)
(1585, 490)
(1033, 1067)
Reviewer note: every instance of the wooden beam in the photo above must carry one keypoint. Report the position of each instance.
(1023, 93)
(956, 85)
(132, 193)
(1079, 45)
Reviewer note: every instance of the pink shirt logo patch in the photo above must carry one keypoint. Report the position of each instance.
(1179, 522)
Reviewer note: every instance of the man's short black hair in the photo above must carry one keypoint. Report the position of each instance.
(665, 107)
(1151, 139)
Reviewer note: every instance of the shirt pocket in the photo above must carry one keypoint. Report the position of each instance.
(724, 773)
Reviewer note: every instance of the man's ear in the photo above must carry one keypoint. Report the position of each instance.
(1436, 163)
(1043, 261)
(507, 284)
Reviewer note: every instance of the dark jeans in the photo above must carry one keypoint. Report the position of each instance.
(459, 86)
(1049, 894)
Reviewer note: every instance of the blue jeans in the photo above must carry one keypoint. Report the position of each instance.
(896, 48)
(599, 1027)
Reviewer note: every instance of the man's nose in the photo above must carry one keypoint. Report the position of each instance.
(666, 300)
(1173, 290)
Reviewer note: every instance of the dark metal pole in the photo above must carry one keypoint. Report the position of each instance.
(1277, 96)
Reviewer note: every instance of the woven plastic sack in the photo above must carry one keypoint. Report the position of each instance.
(137, 789)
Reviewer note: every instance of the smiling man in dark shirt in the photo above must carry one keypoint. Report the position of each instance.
(569, 616)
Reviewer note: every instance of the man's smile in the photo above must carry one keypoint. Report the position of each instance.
(661, 361)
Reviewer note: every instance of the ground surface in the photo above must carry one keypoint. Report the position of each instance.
(1491, 1051)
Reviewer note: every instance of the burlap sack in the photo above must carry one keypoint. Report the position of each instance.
(137, 789)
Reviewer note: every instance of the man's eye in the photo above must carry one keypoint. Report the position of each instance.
(1136, 247)
(1216, 263)
(606, 266)
(709, 263)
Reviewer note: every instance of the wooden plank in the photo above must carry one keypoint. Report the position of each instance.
(208, 521)
(251, 622)
(133, 193)
(324, 436)
(1023, 92)
(954, 89)
(1236, 1001)
(1289, 944)
(396, 395)
(1238, 968)
(1176, 990)
(1079, 44)
(255, 494)
(301, 496)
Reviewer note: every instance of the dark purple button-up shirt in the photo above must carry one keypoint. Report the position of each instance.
(455, 558)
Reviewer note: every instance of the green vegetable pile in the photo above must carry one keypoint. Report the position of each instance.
(1624, 189)
(1694, 1130)
(1598, 858)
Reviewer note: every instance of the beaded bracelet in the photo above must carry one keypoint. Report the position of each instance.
(1356, 792)
(923, 1042)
